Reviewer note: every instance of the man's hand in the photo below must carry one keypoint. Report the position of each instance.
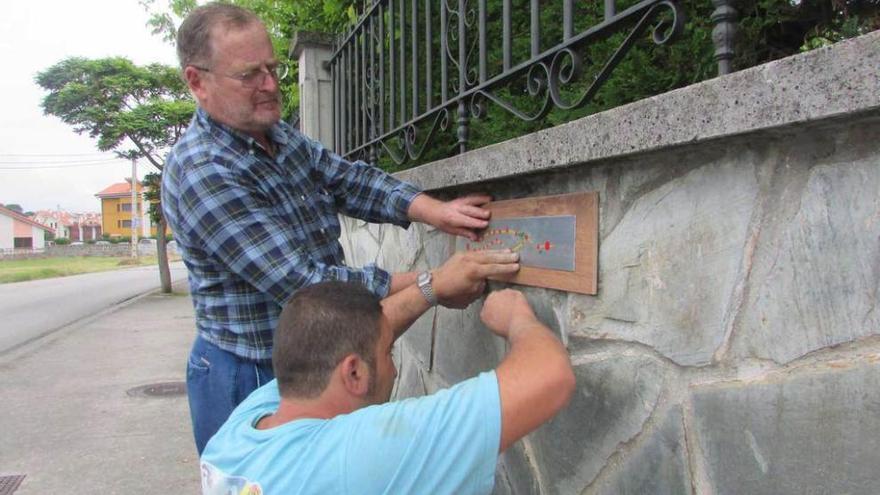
(507, 311)
(462, 216)
(463, 277)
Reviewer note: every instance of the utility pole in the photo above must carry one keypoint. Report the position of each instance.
(134, 207)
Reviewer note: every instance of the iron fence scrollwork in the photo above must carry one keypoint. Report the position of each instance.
(386, 93)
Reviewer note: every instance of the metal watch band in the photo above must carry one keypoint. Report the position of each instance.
(424, 283)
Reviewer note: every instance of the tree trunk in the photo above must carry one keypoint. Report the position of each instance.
(162, 257)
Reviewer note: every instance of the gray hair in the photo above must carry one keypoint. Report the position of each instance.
(194, 44)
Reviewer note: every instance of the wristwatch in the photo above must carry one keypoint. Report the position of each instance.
(424, 283)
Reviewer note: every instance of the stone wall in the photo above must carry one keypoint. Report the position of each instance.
(119, 250)
(734, 344)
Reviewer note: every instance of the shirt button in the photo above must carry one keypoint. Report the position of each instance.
(251, 151)
(323, 231)
(302, 197)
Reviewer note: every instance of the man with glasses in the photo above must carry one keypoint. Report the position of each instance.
(253, 206)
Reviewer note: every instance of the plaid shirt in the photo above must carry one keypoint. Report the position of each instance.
(252, 229)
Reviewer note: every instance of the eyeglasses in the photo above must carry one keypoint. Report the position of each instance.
(254, 78)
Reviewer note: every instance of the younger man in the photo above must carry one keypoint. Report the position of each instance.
(325, 426)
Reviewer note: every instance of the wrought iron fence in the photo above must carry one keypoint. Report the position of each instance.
(407, 68)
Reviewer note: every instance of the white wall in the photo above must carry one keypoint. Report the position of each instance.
(6, 230)
(39, 237)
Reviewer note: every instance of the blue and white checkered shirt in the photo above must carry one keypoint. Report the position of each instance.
(252, 229)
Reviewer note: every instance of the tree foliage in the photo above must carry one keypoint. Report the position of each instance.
(138, 112)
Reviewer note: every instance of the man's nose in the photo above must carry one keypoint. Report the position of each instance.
(269, 82)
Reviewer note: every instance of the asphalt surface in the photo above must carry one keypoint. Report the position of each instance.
(72, 420)
(32, 309)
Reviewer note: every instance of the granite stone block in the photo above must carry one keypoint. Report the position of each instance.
(668, 269)
(658, 467)
(614, 399)
(815, 282)
(813, 431)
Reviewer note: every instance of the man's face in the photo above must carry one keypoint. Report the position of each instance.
(382, 381)
(226, 99)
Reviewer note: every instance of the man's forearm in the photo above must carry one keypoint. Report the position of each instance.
(402, 280)
(535, 380)
(402, 308)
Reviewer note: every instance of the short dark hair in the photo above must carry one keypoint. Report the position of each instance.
(319, 326)
(194, 44)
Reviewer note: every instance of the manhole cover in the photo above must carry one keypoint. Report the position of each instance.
(8, 484)
(165, 389)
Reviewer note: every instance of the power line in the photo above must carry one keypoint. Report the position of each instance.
(26, 155)
(60, 162)
(44, 166)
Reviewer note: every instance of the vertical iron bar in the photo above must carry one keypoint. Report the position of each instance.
(336, 120)
(429, 101)
(364, 89)
(535, 28)
(567, 19)
(462, 79)
(444, 47)
(349, 93)
(381, 107)
(357, 92)
(610, 9)
(505, 36)
(392, 68)
(482, 33)
(374, 108)
(415, 59)
(402, 62)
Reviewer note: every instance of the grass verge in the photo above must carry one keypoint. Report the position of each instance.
(34, 269)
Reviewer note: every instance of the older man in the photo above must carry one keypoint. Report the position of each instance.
(253, 205)
(326, 426)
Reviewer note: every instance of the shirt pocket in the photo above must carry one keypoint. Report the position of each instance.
(313, 212)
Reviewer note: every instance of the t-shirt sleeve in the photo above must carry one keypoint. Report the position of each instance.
(444, 443)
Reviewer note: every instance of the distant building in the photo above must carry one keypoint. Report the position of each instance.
(20, 232)
(117, 213)
(73, 226)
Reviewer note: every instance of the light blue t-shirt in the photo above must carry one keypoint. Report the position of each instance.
(444, 443)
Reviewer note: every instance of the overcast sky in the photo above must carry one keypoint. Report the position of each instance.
(33, 37)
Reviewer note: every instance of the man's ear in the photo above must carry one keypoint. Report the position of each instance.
(355, 375)
(196, 83)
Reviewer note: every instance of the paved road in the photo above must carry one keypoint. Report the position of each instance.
(29, 310)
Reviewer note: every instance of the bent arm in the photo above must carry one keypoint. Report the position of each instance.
(535, 379)
(232, 221)
(456, 284)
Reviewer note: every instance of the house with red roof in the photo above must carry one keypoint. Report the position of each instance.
(20, 232)
(73, 226)
(117, 213)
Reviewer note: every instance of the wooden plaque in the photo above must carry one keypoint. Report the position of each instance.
(557, 238)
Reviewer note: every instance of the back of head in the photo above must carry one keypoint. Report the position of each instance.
(318, 327)
(194, 35)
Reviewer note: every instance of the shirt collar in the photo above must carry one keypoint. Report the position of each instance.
(277, 133)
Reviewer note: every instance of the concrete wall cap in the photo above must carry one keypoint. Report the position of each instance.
(309, 39)
(802, 89)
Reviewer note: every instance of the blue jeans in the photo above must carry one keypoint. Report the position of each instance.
(216, 382)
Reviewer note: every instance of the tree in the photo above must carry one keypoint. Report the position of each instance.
(138, 112)
(15, 207)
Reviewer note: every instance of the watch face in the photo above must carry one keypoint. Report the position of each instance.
(424, 278)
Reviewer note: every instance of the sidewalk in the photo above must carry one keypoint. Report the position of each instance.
(68, 421)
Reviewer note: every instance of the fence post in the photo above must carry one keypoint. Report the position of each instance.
(312, 52)
(724, 34)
